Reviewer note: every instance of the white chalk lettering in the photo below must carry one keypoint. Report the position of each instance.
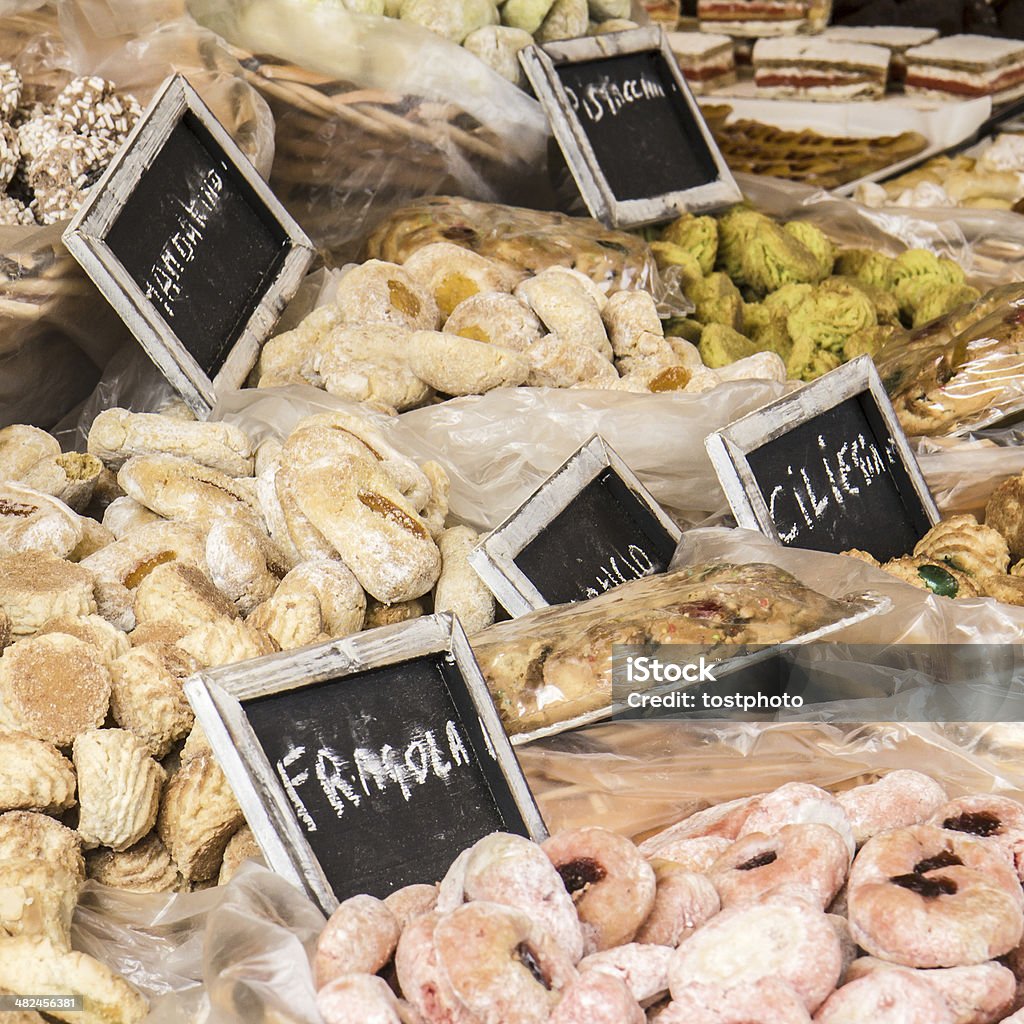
(290, 782)
(333, 783)
(634, 565)
(608, 97)
(456, 748)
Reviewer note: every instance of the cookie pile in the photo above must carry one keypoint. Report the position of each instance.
(887, 903)
(51, 155)
(451, 322)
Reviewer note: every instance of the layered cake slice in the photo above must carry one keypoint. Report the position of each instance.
(707, 61)
(897, 39)
(967, 67)
(817, 69)
(754, 18)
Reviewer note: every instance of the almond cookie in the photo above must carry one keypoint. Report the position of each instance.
(306, 539)
(242, 846)
(245, 564)
(459, 589)
(34, 775)
(378, 534)
(31, 521)
(628, 316)
(144, 867)
(118, 788)
(378, 614)
(34, 588)
(937, 577)
(435, 513)
(185, 490)
(198, 816)
(226, 641)
(124, 514)
(558, 363)
(384, 293)
(369, 363)
(196, 744)
(56, 714)
(289, 358)
(147, 695)
(292, 619)
(182, 593)
(455, 365)
(496, 318)
(118, 435)
(21, 447)
(1005, 513)
(70, 478)
(453, 274)
(566, 308)
(108, 641)
(36, 965)
(95, 537)
(964, 544)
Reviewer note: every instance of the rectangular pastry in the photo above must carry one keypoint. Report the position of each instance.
(817, 69)
(754, 18)
(707, 61)
(664, 12)
(967, 66)
(897, 39)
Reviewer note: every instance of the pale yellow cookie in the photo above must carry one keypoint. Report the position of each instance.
(163, 632)
(21, 447)
(558, 363)
(377, 293)
(226, 641)
(196, 744)
(1005, 513)
(289, 358)
(496, 318)
(305, 538)
(627, 317)
(1008, 589)
(453, 274)
(147, 695)
(34, 775)
(198, 816)
(245, 564)
(293, 619)
(459, 589)
(435, 512)
(144, 867)
(863, 556)
(31, 521)
(70, 477)
(241, 847)
(181, 593)
(34, 588)
(124, 514)
(270, 503)
(36, 901)
(933, 575)
(566, 308)
(455, 365)
(37, 837)
(378, 614)
(962, 542)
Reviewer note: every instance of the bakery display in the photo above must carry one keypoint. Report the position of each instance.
(758, 18)
(707, 60)
(897, 39)
(967, 65)
(819, 69)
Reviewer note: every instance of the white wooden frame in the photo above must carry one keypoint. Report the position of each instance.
(494, 557)
(85, 239)
(217, 696)
(541, 67)
(728, 448)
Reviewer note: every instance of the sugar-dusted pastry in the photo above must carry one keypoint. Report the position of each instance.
(556, 362)
(289, 358)
(305, 538)
(527, 15)
(435, 512)
(21, 447)
(34, 588)
(36, 837)
(934, 575)
(293, 619)
(376, 292)
(567, 19)
(108, 641)
(455, 365)
(245, 564)
(459, 589)
(95, 537)
(147, 695)
(496, 318)
(36, 901)
(962, 542)
(198, 816)
(378, 614)
(71, 477)
(117, 435)
(453, 274)
(379, 535)
(51, 711)
(1005, 513)
(124, 514)
(119, 788)
(242, 846)
(498, 46)
(34, 775)
(627, 316)
(182, 593)
(268, 465)
(567, 308)
(144, 867)
(31, 521)
(163, 632)
(226, 641)
(186, 490)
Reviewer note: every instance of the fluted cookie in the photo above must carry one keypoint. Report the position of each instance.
(376, 292)
(226, 641)
(183, 594)
(21, 447)
(459, 589)
(936, 576)
(963, 543)
(31, 521)
(108, 641)
(378, 534)
(144, 867)
(453, 274)
(119, 788)
(148, 697)
(55, 711)
(118, 435)
(242, 846)
(567, 308)
(198, 816)
(34, 588)
(496, 318)
(558, 363)
(246, 566)
(455, 365)
(37, 837)
(289, 358)
(34, 775)
(1005, 513)
(124, 514)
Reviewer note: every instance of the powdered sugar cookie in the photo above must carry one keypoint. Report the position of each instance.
(95, 537)
(496, 318)
(31, 521)
(683, 902)
(110, 643)
(696, 854)
(37, 587)
(21, 447)
(376, 292)
(886, 997)
(997, 821)
(643, 968)
(556, 362)
(226, 641)
(125, 514)
(435, 512)
(70, 477)
(34, 776)
(896, 800)
(455, 365)
(459, 589)
(289, 358)
(358, 999)
(628, 316)
(453, 274)
(182, 593)
(378, 614)
(768, 1000)
(798, 803)
(411, 902)
(597, 998)
(245, 565)
(566, 308)
(360, 938)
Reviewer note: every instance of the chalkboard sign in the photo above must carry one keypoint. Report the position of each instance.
(369, 763)
(631, 132)
(190, 246)
(827, 468)
(591, 526)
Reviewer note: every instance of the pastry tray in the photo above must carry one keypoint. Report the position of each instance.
(874, 604)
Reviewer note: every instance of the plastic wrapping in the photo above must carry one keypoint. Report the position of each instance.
(372, 112)
(553, 667)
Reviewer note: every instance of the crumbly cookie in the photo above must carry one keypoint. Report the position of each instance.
(962, 542)
(36, 837)
(290, 357)
(147, 694)
(55, 714)
(226, 641)
(566, 308)
(1005, 513)
(378, 614)
(119, 788)
(95, 537)
(308, 542)
(180, 592)
(270, 503)
(36, 901)
(110, 643)
(459, 589)
(37, 587)
(31, 521)
(1008, 589)
(118, 435)
(453, 274)
(34, 775)
(196, 744)
(627, 316)
(293, 619)
(70, 477)
(376, 292)
(435, 512)
(21, 447)
(558, 363)
(242, 846)
(496, 318)
(198, 816)
(144, 867)
(935, 576)
(455, 365)
(246, 566)
(163, 632)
